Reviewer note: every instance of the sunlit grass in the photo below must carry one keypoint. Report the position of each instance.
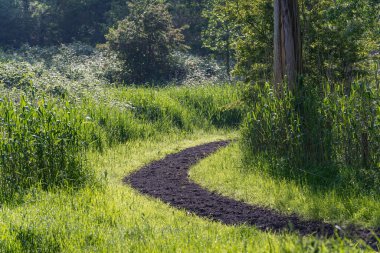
(43, 139)
(116, 218)
(225, 172)
(68, 114)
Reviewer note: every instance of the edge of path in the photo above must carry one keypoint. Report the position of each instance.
(167, 179)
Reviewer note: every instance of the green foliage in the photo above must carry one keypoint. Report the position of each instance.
(272, 126)
(16, 75)
(354, 121)
(221, 32)
(241, 33)
(317, 133)
(43, 140)
(65, 71)
(340, 38)
(145, 41)
(188, 14)
(254, 47)
(11, 31)
(41, 145)
(50, 22)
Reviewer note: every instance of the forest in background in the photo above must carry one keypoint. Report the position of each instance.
(339, 38)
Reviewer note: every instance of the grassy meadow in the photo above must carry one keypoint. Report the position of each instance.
(69, 136)
(93, 90)
(113, 217)
(228, 174)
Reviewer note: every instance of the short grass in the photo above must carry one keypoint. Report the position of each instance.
(226, 173)
(113, 217)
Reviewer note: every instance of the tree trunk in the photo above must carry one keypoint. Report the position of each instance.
(287, 44)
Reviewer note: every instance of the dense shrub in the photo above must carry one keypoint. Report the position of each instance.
(145, 41)
(40, 145)
(320, 133)
(16, 74)
(63, 71)
(196, 70)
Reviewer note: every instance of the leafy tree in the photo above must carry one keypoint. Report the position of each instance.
(339, 37)
(11, 30)
(43, 22)
(220, 33)
(188, 14)
(254, 46)
(241, 33)
(145, 41)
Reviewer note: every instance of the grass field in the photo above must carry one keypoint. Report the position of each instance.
(226, 173)
(65, 150)
(115, 218)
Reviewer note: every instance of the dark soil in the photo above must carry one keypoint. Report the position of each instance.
(168, 180)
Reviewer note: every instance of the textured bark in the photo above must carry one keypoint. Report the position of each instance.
(287, 44)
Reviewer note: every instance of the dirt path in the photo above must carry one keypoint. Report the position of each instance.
(167, 179)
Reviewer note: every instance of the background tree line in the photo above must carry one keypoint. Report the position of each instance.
(47, 22)
(339, 38)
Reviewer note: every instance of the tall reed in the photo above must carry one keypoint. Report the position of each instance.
(317, 132)
(41, 145)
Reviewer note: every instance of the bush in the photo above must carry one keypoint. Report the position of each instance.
(197, 70)
(145, 41)
(16, 75)
(62, 71)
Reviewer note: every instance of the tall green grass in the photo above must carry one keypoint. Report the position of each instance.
(117, 218)
(202, 106)
(43, 140)
(41, 145)
(326, 136)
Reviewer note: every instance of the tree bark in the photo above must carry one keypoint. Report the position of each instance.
(287, 44)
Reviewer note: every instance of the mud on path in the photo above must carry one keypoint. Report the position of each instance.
(168, 180)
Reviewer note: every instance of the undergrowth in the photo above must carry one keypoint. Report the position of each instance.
(40, 145)
(44, 139)
(324, 136)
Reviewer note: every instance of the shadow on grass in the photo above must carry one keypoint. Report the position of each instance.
(344, 181)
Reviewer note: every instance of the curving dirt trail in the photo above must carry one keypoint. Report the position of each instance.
(167, 179)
